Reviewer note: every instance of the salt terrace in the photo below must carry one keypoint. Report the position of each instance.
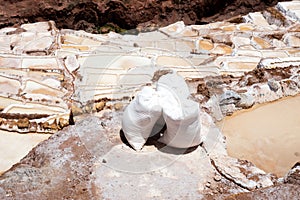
(45, 72)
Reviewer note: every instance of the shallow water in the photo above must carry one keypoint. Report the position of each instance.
(15, 146)
(268, 135)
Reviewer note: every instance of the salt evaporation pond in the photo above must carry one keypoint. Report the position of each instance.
(267, 135)
(15, 146)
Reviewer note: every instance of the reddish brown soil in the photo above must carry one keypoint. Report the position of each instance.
(91, 15)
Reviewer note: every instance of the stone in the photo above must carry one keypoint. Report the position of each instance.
(100, 106)
(289, 87)
(23, 123)
(263, 93)
(242, 172)
(118, 106)
(257, 19)
(246, 101)
(276, 17)
(229, 97)
(218, 177)
(228, 109)
(207, 185)
(220, 37)
(290, 9)
(296, 79)
(293, 176)
(274, 85)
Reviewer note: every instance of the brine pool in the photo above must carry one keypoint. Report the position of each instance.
(15, 146)
(268, 135)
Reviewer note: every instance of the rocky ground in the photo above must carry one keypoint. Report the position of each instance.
(89, 161)
(103, 15)
(73, 76)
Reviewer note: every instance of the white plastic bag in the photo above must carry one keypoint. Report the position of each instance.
(140, 117)
(170, 100)
(181, 115)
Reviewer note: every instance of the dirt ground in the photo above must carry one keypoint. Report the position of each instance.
(103, 15)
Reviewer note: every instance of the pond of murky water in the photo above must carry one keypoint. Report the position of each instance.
(267, 135)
